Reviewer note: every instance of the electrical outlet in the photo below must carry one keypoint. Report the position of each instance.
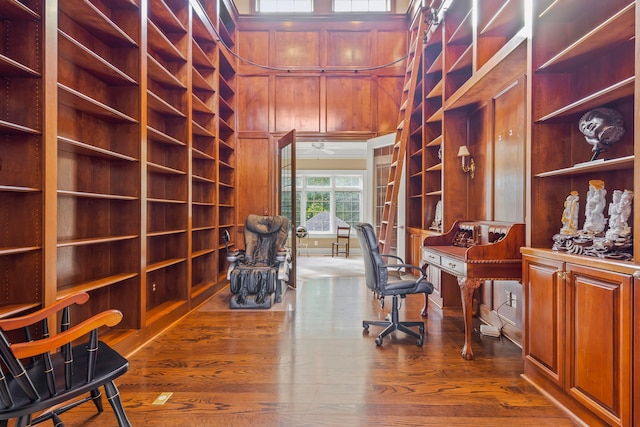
(511, 299)
(315, 243)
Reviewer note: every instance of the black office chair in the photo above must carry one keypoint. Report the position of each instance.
(397, 286)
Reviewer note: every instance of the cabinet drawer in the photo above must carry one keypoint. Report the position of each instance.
(453, 265)
(430, 257)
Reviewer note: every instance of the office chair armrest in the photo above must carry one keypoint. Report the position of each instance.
(407, 267)
(394, 257)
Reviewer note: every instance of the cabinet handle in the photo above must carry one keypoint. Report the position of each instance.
(636, 274)
(452, 265)
(562, 274)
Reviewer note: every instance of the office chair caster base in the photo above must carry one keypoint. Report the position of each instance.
(419, 342)
(379, 341)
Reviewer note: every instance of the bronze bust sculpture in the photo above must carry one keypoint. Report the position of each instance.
(601, 127)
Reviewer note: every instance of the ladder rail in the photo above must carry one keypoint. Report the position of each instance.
(402, 134)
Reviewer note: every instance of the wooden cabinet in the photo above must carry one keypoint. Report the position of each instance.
(113, 163)
(579, 310)
(578, 342)
(591, 64)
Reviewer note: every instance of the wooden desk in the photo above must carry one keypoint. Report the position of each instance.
(475, 251)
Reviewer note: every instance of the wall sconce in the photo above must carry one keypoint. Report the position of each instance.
(463, 153)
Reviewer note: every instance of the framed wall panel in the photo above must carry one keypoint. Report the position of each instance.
(297, 49)
(349, 104)
(349, 48)
(389, 90)
(297, 103)
(253, 103)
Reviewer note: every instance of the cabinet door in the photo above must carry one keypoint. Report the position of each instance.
(599, 341)
(544, 320)
(415, 249)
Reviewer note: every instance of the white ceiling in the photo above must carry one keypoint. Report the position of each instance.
(331, 150)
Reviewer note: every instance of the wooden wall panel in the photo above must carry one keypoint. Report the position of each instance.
(349, 106)
(509, 163)
(256, 194)
(297, 103)
(388, 103)
(296, 48)
(253, 46)
(349, 48)
(253, 103)
(391, 45)
(323, 75)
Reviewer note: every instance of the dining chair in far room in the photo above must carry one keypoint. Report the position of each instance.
(343, 235)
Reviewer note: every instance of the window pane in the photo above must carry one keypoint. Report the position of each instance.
(342, 5)
(349, 181)
(286, 204)
(378, 5)
(361, 6)
(318, 211)
(299, 219)
(284, 6)
(318, 181)
(348, 206)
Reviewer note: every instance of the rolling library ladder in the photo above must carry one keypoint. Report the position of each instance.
(414, 59)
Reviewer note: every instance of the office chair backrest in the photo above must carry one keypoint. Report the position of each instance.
(376, 274)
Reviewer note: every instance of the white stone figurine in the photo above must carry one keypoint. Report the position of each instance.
(619, 213)
(595, 221)
(570, 215)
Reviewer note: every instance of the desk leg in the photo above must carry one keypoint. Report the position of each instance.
(467, 288)
(424, 312)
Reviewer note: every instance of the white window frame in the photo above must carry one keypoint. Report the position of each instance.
(332, 189)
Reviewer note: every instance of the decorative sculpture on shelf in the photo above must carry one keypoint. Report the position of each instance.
(570, 215)
(616, 243)
(595, 221)
(619, 213)
(601, 127)
(437, 220)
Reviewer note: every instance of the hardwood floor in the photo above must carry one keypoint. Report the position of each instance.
(314, 366)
